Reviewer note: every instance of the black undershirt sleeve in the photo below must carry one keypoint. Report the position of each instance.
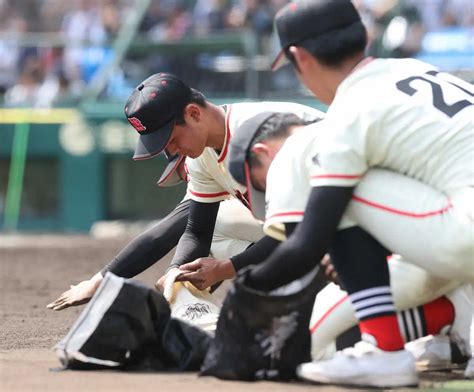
(255, 253)
(308, 243)
(290, 228)
(150, 246)
(258, 252)
(197, 238)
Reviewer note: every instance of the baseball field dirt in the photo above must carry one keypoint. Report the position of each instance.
(35, 269)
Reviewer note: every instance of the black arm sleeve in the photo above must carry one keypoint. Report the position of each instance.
(290, 228)
(255, 253)
(308, 243)
(197, 238)
(150, 246)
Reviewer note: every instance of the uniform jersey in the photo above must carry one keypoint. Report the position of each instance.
(402, 115)
(427, 226)
(288, 186)
(209, 179)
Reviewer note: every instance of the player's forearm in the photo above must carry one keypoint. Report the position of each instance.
(197, 238)
(308, 243)
(150, 246)
(255, 253)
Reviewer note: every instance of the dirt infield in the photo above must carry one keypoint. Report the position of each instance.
(35, 269)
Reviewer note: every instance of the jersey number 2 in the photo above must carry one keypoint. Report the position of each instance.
(438, 98)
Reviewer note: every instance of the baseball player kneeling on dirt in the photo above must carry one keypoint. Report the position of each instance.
(236, 229)
(402, 115)
(168, 114)
(261, 155)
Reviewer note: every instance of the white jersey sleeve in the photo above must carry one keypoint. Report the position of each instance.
(339, 159)
(288, 185)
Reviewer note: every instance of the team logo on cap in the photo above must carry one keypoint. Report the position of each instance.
(137, 124)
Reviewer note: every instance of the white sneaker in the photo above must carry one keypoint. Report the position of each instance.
(431, 352)
(363, 365)
(469, 372)
(463, 301)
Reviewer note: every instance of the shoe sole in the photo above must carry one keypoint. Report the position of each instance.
(423, 366)
(388, 380)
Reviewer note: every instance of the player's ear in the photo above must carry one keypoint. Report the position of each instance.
(192, 111)
(260, 148)
(301, 56)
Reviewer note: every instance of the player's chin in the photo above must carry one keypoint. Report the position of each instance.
(194, 153)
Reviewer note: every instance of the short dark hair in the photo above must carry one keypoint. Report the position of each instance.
(196, 97)
(334, 47)
(276, 126)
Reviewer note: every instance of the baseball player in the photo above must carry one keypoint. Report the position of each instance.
(167, 113)
(402, 115)
(236, 230)
(280, 165)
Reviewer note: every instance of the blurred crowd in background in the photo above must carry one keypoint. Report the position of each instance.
(37, 74)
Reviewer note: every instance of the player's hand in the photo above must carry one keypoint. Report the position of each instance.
(160, 283)
(206, 272)
(165, 283)
(76, 295)
(329, 270)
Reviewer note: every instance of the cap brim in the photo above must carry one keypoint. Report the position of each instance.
(256, 198)
(237, 163)
(170, 176)
(239, 145)
(151, 144)
(280, 61)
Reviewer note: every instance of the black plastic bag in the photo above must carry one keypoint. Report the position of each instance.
(127, 326)
(262, 336)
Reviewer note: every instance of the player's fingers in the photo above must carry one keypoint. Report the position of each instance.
(326, 260)
(55, 304)
(192, 266)
(160, 282)
(200, 285)
(189, 276)
(57, 301)
(329, 269)
(62, 306)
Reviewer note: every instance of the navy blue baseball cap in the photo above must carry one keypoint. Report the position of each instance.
(238, 167)
(152, 110)
(300, 20)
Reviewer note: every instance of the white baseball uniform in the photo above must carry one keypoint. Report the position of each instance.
(404, 116)
(287, 193)
(209, 180)
(235, 228)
